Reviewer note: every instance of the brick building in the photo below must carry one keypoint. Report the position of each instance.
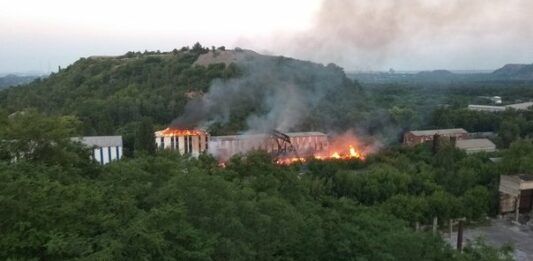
(421, 136)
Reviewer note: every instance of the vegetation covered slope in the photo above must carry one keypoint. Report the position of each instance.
(111, 95)
(522, 72)
(107, 93)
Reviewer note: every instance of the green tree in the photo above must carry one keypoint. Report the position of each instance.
(29, 135)
(508, 132)
(476, 203)
(144, 138)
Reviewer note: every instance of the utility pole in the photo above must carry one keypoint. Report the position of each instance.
(460, 236)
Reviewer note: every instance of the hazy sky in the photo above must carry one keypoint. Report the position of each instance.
(356, 34)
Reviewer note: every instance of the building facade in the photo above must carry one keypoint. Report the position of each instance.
(421, 136)
(489, 108)
(305, 143)
(475, 145)
(184, 142)
(516, 194)
(105, 149)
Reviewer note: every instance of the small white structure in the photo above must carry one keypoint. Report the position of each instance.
(105, 148)
(476, 145)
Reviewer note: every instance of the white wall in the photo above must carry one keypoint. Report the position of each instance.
(101, 155)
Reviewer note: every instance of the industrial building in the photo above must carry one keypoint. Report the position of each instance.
(421, 136)
(490, 108)
(105, 148)
(486, 108)
(305, 143)
(516, 194)
(193, 142)
(475, 145)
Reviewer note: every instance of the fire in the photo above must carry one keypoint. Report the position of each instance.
(342, 147)
(343, 153)
(289, 161)
(169, 132)
(350, 152)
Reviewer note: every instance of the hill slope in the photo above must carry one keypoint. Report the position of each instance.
(110, 95)
(523, 72)
(107, 93)
(15, 80)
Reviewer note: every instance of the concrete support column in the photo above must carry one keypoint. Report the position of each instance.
(435, 225)
(517, 207)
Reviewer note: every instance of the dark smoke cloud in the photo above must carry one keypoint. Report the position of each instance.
(272, 93)
(365, 34)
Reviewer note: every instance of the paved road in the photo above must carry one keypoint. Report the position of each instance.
(500, 232)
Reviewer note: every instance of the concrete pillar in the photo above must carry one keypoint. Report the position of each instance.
(450, 224)
(435, 225)
(517, 207)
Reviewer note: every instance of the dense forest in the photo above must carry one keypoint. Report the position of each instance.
(154, 205)
(59, 205)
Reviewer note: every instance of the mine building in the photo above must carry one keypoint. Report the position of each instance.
(516, 194)
(475, 145)
(305, 143)
(190, 142)
(105, 149)
(421, 136)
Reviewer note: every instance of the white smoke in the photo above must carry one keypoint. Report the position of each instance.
(421, 34)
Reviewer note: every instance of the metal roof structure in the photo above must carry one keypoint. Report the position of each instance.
(492, 108)
(439, 132)
(100, 141)
(266, 136)
(517, 106)
(520, 106)
(476, 145)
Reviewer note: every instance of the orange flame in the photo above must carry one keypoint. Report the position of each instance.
(349, 152)
(170, 132)
(342, 147)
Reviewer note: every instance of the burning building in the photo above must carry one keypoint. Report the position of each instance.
(192, 142)
(301, 144)
(285, 148)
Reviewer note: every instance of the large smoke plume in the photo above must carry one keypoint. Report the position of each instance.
(272, 93)
(419, 34)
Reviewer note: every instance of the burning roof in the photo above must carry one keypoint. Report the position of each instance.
(170, 132)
